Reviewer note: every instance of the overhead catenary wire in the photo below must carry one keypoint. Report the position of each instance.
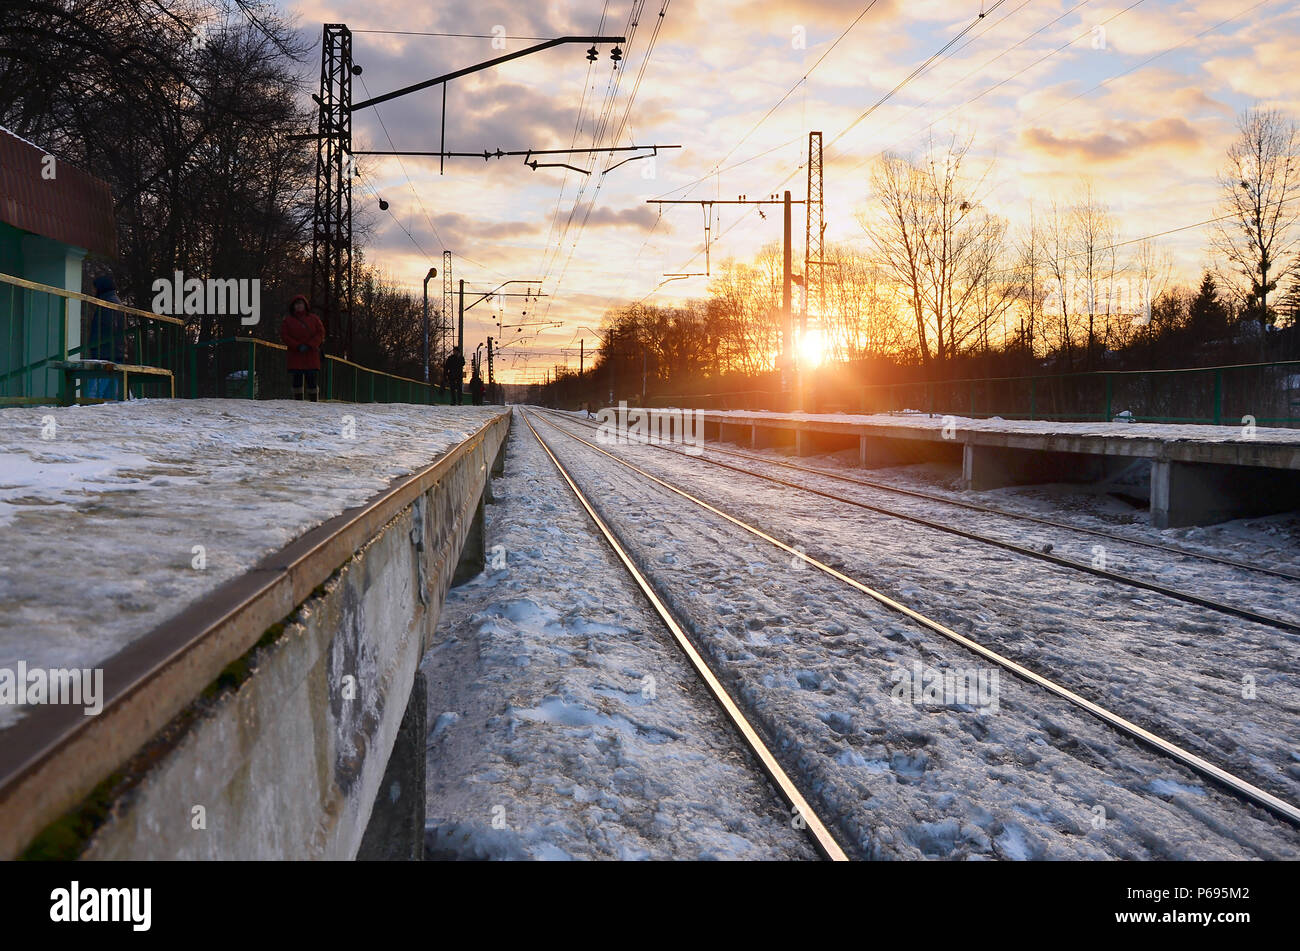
(934, 57)
(633, 23)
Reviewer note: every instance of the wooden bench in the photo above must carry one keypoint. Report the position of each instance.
(72, 369)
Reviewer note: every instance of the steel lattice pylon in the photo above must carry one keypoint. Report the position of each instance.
(331, 249)
(814, 264)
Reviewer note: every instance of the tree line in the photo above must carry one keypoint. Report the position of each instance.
(193, 112)
(940, 285)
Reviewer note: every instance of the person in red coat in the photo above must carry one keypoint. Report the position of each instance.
(304, 335)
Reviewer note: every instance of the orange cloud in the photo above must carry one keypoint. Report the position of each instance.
(1122, 141)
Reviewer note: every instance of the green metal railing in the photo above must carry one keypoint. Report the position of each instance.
(41, 325)
(1269, 392)
(246, 367)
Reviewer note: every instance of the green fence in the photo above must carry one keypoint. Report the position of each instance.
(40, 324)
(1269, 392)
(249, 368)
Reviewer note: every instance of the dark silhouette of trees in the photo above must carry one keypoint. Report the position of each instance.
(1208, 316)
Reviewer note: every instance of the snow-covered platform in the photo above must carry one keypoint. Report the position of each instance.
(255, 583)
(1199, 474)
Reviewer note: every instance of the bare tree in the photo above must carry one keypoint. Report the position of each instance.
(936, 242)
(1031, 278)
(1152, 269)
(1092, 249)
(1058, 245)
(897, 231)
(1257, 244)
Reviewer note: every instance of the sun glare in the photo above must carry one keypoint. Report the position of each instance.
(812, 348)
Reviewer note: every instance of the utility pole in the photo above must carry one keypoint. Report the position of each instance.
(582, 353)
(787, 322)
(460, 332)
(444, 315)
(787, 361)
(433, 272)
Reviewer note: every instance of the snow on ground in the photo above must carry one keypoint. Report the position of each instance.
(564, 723)
(1271, 540)
(101, 507)
(1253, 591)
(816, 662)
(1232, 432)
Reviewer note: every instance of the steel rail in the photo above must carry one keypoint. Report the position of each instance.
(1236, 784)
(821, 837)
(992, 510)
(1196, 599)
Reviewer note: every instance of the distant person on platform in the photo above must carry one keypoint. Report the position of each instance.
(304, 334)
(107, 338)
(476, 388)
(453, 375)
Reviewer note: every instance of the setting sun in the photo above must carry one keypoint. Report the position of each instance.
(812, 348)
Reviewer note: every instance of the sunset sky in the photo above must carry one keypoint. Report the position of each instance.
(1141, 97)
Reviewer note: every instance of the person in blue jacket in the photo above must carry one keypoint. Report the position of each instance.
(106, 338)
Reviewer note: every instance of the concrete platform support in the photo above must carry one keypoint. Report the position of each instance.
(810, 442)
(993, 467)
(772, 437)
(1197, 493)
(877, 452)
(740, 435)
(395, 832)
(473, 557)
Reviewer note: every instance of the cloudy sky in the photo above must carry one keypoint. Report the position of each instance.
(1140, 97)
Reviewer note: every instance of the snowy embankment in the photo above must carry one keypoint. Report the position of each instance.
(818, 665)
(116, 516)
(564, 723)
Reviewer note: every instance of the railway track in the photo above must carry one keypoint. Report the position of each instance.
(1018, 516)
(816, 828)
(1188, 597)
(1225, 779)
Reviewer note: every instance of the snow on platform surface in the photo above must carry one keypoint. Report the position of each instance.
(1232, 432)
(102, 507)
